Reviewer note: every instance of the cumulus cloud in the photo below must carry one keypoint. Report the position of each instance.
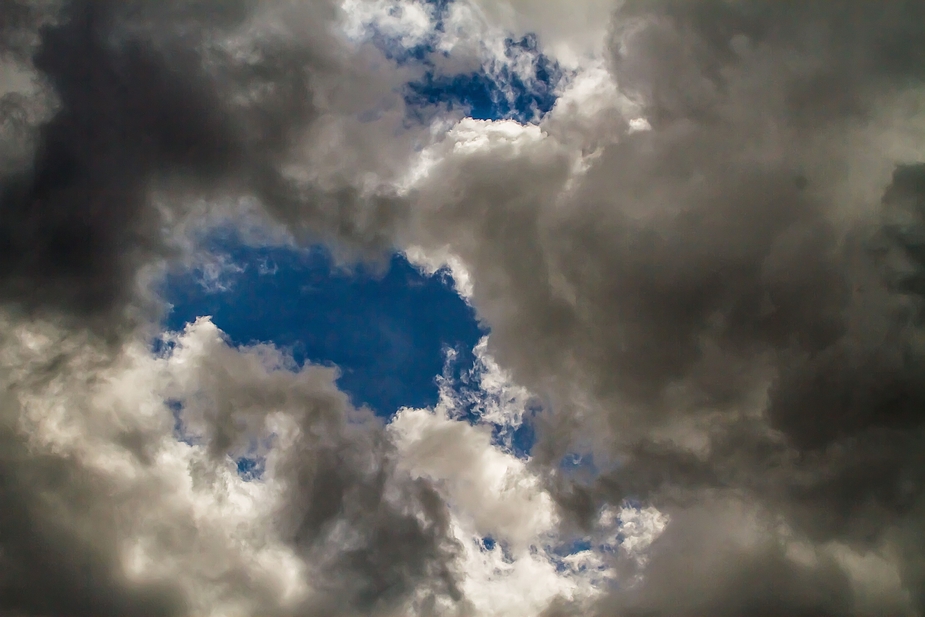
(112, 512)
(191, 102)
(493, 487)
(574, 32)
(722, 303)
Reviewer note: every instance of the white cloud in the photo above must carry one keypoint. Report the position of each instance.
(410, 22)
(492, 494)
(433, 263)
(178, 514)
(490, 489)
(174, 514)
(498, 400)
(571, 31)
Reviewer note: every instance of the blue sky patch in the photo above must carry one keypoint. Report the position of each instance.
(387, 332)
(518, 440)
(495, 92)
(251, 468)
(179, 426)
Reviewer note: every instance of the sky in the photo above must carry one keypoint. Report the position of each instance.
(464, 308)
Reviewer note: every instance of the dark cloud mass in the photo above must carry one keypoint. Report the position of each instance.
(183, 95)
(77, 224)
(734, 294)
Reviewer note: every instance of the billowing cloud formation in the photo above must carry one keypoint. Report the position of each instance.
(107, 512)
(723, 306)
(180, 97)
(705, 262)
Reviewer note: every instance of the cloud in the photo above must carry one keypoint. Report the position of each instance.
(106, 512)
(572, 32)
(191, 102)
(718, 307)
(705, 260)
(512, 560)
(493, 488)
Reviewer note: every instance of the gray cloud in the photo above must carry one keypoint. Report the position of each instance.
(55, 561)
(131, 112)
(703, 565)
(180, 97)
(105, 512)
(725, 306)
(377, 541)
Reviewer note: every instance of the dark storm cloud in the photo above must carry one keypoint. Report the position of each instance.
(58, 538)
(735, 294)
(405, 552)
(152, 96)
(52, 563)
(76, 225)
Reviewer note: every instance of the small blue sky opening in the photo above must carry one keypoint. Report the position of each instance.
(180, 431)
(576, 546)
(518, 440)
(393, 47)
(386, 332)
(251, 468)
(560, 552)
(493, 92)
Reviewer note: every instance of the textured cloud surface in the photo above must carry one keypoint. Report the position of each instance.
(693, 228)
